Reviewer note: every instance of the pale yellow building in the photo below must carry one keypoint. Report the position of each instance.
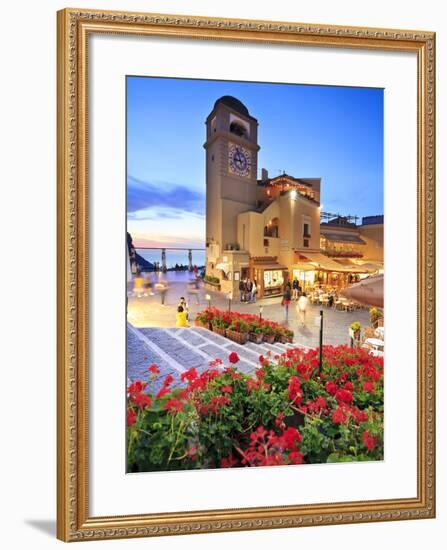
(269, 229)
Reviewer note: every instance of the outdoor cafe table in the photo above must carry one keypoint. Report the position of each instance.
(376, 343)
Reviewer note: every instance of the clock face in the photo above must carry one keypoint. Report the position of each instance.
(239, 160)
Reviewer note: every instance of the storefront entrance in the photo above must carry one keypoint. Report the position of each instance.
(270, 278)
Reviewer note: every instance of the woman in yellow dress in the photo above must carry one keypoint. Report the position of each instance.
(180, 318)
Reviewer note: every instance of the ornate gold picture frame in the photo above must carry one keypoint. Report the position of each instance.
(75, 522)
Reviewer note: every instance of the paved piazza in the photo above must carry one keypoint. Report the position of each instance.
(147, 311)
(153, 338)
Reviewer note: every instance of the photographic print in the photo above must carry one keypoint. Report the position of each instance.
(255, 268)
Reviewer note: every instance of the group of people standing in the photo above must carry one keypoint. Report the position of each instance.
(293, 291)
(248, 290)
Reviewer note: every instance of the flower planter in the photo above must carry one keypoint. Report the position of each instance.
(256, 337)
(286, 339)
(238, 337)
(220, 330)
(201, 324)
(269, 338)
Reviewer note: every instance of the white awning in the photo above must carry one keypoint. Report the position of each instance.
(323, 262)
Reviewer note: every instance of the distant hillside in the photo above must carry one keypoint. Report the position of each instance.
(135, 258)
(144, 264)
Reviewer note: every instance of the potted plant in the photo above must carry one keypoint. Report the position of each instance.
(255, 332)
(204, 318)
(354, 331)
(220, 324)
(211, 282)
(375, 316)
(268, 331)
(238, 330)
(284, 335)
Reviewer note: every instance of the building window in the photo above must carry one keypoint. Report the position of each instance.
(273, 279)
(306, 230)
(272, 229)
(306, 243)
(238, 129)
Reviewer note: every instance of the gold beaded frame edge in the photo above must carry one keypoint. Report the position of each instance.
(73, 520)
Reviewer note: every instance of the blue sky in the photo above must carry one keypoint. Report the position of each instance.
(335, 133)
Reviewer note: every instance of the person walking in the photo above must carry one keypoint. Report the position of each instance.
(248, 290)
(162, 287)
(254, 290)
(138, 288)
(193, 289)
(242, 289)
(295, 287)
(301, 307)
(287, 295)
(180, 318)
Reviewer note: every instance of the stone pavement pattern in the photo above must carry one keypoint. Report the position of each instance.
(175, 350)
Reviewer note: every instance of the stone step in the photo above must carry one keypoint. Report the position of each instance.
(140, 356)
(274, 348)
(175, 350)
(261, 349)
(217, 346)
(295, 345)
(184, 354)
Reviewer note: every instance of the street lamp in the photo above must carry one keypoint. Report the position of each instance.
(208, 299)
(260, 312)
(230, 297)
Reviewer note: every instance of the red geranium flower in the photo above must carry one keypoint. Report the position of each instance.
(279, 421)
(137, 387)
(168, 380)
(142, 400)
(369, 440)
(173, 406)
(162, 392)
(131, 417)
(153, 369)
(227, 389)
(296, 457)
(217, 402)
(228, 461)
(290, 438)
(360, 416)
(190, 375)
(233, 357)
(339, 416)
(295, 393)
(368, 386)
(331, 387)
(343, 395)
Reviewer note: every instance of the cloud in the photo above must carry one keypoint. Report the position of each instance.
(140, 240)
(147, 200)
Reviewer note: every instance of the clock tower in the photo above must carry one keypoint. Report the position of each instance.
(231, 175)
